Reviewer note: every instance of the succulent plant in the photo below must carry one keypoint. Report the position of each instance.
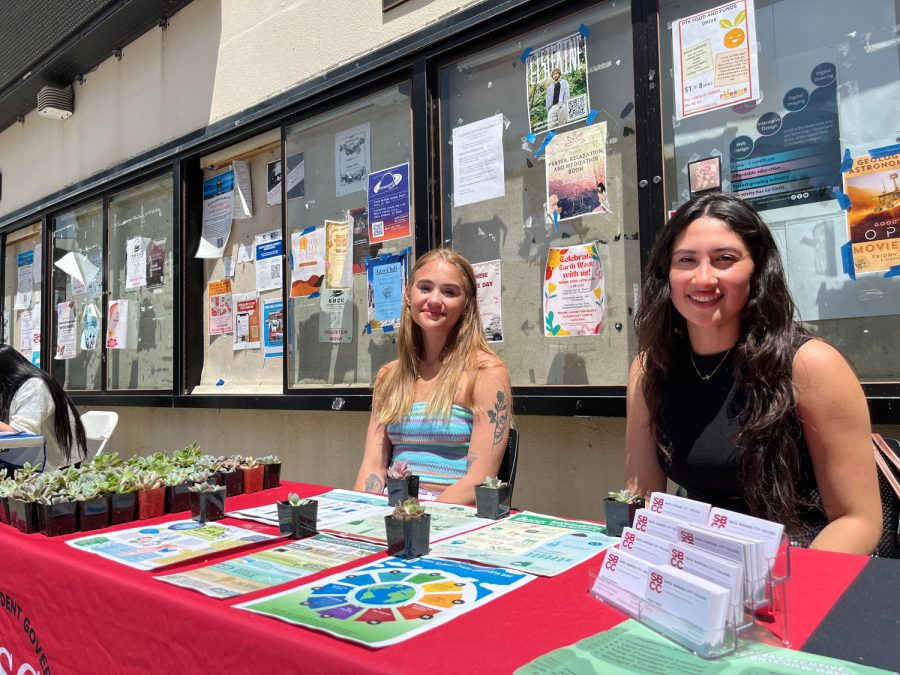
(398, 470)
(204, 487)
(411, 509)
(249, 463)
(148, 480)
(625, 497)
(269, 459)
(296, 500)
(493, 483)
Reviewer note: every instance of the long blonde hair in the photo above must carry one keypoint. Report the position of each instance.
(396, 388)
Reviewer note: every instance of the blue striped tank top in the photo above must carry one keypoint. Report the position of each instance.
(435, 447)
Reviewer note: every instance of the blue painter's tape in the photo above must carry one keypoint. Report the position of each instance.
(531, 138)
(843, 199)
(525, 54)
(543, 147)
(388, 329)
(555, 221)
(847, 162)
(591, 117)
(220, 382)
(884, 151)
(847, 260)
(892, 272)
(584, 30)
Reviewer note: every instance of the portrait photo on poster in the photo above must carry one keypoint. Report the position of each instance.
(705, 175)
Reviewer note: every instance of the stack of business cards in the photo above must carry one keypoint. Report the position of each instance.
(690, 607)
(682, 508)
(657, 524)
(622, 581)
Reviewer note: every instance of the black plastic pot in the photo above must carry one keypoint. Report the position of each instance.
(297, 522)
(492, 503)
(122, 507)
(233, 482)
(57, 519)
(4, 510)
(619, 515)
(272, 475)
(178, 497)
(206, 506)
(408, 538)
(23, 515)
(93, 514)
(401, 489)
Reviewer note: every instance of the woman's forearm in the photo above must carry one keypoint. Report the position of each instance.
(848, 534)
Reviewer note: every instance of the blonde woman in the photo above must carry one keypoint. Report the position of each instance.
(444, 405)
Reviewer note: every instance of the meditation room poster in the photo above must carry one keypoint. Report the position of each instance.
(576, 173)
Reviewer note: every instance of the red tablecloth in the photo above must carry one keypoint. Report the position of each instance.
(65, 611)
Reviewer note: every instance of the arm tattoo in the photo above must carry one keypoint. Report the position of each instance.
(499, 416)
(374, 484)
(470, 460)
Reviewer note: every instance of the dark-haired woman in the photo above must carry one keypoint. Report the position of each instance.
(731, 400)
(32, 402)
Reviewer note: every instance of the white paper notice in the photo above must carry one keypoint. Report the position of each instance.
(487, 276)
(336, 315)
(478, 161)
(136, 264)
(25, 264)
(243, 198)
(38, 261)
(269, 254)
(65, 330)
(351, 160)
(245, 253)
(117, 325)
(27, 331)
(80, 268)
(228, 263)
(218, 210)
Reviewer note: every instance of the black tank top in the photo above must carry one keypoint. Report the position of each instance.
(699, 422)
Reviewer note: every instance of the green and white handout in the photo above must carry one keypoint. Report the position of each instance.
(335, 506)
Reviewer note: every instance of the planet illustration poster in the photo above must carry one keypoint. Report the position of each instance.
(388, 202)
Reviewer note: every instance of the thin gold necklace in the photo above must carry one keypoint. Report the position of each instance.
(715, 370)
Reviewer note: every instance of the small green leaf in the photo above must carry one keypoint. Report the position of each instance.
(725, 23)
(740, 17)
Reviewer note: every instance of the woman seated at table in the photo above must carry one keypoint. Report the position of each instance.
(32, 402)
(444, 405)
(735, 402)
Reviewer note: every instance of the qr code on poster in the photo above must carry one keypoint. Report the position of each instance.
(378, 228)
(577, 107)
(275, 272)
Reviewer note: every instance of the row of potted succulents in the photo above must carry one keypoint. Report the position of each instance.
(110, 491)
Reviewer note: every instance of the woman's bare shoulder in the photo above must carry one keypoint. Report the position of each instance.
(384, 370)
(489, 360)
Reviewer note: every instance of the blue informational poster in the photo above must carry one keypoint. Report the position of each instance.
(387, 278)
(273, 328)
(389, 204)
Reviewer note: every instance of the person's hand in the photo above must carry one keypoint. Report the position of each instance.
(5, 427)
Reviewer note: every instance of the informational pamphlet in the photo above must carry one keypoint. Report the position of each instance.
(117, 324)
(272, 567)
(576, 173)
(573, 291)
(152, 546)
(531, 542)
(243, 194)
(246, 320)
(26, 331)
(135, 263)
(307, 262)
(296, 179)
(218, 209)
(25, 282)
(362, 248)
(389, 601)
(38, 261)
(478, 161)
(351, 160)
(714, 53)
(872, 220)
(557, 84)
(65, 330)
(338, 261)
(386, 275)
(273, 183)
(156, 264)
(388, 202)
(335, 506)
(221, 314)
(269, 253)
(246, 253)
(36, 335)
(273, 328)
(487, 276)
(336, 315)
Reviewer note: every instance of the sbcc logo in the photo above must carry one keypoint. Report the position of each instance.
(612, 560)
(656, 582)
(628, 540)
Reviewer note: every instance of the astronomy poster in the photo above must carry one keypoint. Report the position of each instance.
(556, 84)
(388, 201)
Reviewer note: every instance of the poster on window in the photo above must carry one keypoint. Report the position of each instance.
(273, 183)
(269, 254)
(714, 53)
(487, 278)
(386, 283)
(478, 172)
(220, 307)
(576, 173)
(65, 330)
(156, 264)
(273, 329)
(90, 327)
(873, 219)
(246, 321)
(351, 159)
(336, 315)
(362, 248)
(117, 324)
(573, 291)
(218, 209)
(36, 335)
(556, 84)
(388, 200)
(296, 178)
(338, 264)
(135, 263)
(243, 193)
(307, 262)
(26, 331)
(25, 283)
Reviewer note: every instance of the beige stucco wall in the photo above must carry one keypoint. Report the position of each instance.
(216, 58)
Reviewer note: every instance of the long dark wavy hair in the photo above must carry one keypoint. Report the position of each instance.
(769, 434)
(14, 370)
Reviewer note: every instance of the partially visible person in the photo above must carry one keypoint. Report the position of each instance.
(445, 404)
(602, 203)
(32, 402)
(730, 399)
(556, 100)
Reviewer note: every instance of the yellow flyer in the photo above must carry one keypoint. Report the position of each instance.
(873, 219)
(338, 273)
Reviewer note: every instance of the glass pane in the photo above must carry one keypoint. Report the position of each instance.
(337, 152)
(77, 297)
(141, 284)
(589, 105)
(22, 292)
(826, 89)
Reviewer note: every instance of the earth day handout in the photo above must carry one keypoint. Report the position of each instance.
(351, 160)
(218, 210)
(220, 307)
(478, 161)
(714, 54)
(153, 546)
(556, 84)
(307, 262)
(25, 282)
(576, 173)
(573, 291)
(135, 263)
(269, 252)
(389, 601)
(487, 278)
(246, 320)
(388, 203)
(533, 543)
(243, 194)
(274, 566)
(273, 332)
(65, 330)
(386, 276)
(117, 324)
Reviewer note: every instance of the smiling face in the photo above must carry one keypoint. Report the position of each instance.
(437, 296)
(709, 278)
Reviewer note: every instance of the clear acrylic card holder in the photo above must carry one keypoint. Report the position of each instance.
(767, 602)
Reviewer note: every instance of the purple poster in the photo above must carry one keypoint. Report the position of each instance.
(389, 204)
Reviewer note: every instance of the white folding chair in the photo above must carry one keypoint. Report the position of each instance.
(98, 427)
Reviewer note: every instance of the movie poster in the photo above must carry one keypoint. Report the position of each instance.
(874, 192)
(576, 173)
(556, 78)
(573, 291)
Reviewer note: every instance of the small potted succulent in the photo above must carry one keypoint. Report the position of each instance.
(93, 506)
(178, 489)
(619, 508)
(151, 494)
(57, 514)
(408, 530)
(7, 485)
(187, 458)
(401, 484)
(271, 471)
(492, 498)
(230, 475)
(207, 502)
(253, 474)
(123, 498)
(23, 512)
(297, 518)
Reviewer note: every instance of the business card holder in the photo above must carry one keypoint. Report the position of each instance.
(768, 608)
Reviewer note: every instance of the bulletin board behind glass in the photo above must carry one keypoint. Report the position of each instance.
(827, 87)
(509, 97)
(21, 293)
